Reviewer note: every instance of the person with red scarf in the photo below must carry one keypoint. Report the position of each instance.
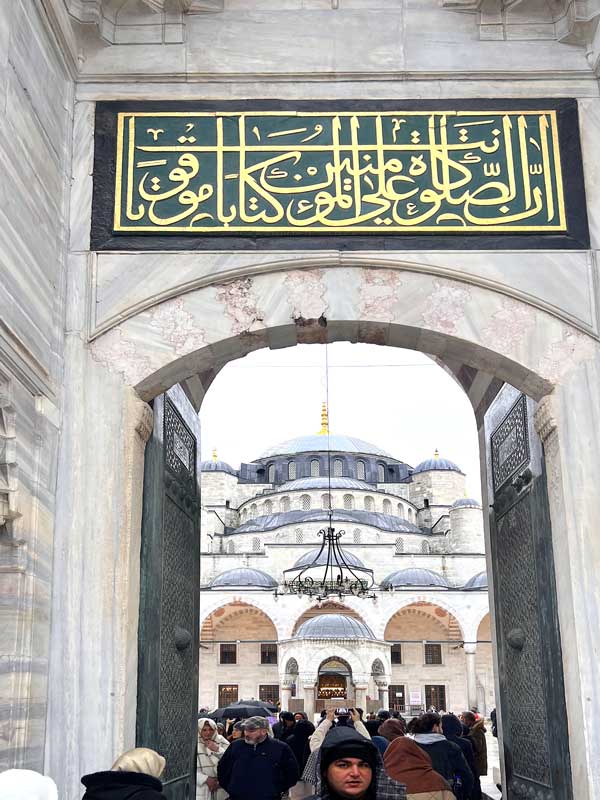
(408, 763)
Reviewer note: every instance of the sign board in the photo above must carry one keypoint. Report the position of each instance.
(415, 697)
(295, 704)
(451, 168)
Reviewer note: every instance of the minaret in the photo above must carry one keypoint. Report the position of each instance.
(324, 420)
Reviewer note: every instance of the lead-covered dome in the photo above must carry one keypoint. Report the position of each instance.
(466, 502)
(334, 626)
(216, 465)
(244, 576)
(323, 483)
(414, 576)
(437, 463)
(308, 559)
(320, 443)
(478, 581)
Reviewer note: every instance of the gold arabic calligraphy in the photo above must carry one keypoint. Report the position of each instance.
(348, 172)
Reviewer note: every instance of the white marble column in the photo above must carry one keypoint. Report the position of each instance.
(470, 651)
(383, 693)
(360, 695)
(286, 695)
(308, 687)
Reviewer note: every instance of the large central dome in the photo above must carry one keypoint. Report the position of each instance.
(319, 443)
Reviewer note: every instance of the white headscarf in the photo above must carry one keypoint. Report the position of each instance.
(140, 759)
(25, 784)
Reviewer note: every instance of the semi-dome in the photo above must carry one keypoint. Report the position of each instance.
(216, 465)
(383, 522)
(323, 483)
(466, 502)
(319, 443)
(437, 463)
(308, 558)
(334, 626)
(478, 581)
(244, 576)
(414, 576)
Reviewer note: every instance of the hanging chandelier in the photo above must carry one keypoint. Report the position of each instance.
(330, 573)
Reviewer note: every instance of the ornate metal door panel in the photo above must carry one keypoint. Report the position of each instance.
(169, 597)
(532, 703)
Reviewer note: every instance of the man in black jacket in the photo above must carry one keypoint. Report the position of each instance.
(446, 757)
(257, 767)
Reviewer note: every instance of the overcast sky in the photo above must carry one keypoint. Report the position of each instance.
(397, 399)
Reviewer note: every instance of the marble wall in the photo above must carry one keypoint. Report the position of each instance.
(36, 99)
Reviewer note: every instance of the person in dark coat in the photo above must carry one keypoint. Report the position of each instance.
(351, 768)
(134, 776)
(452, 729)
(446, 757)
(477, 731)
(283, 729)
(298, 741)
(257, 767)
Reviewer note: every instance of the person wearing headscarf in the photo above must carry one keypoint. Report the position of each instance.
(134, 774)
(211, 746)
(446, 757)
(350, 767)
(453, 731)
(407, 763)
(298, 741)
(25, 784)
(391, 729)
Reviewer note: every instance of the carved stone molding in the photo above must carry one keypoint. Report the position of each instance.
(8, 456)
(544, 418)
(145, 421)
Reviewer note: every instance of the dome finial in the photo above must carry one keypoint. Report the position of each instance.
(324, 420)
(214, 455)
(437, 453)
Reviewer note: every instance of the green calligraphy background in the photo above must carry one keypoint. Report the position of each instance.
(392, 172)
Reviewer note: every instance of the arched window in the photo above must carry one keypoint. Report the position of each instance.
(271, 473)
(284, 504)
(315, 468)
(369, 503)
(305, 502)
(292, 471)
(380, 473)
(356, 536)
(256, 545)
(401, 512)
(299, 536)
(268, 507)
(387, 506)
(243, 515)
(399, 545)
(338, 468)
(348, 502)
(325, 501)
(253, 510)
(360, 470)
(231, 547)
(425, 547)
(411, 516)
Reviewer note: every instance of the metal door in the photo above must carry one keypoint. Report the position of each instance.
(168, 636)
(532, 701)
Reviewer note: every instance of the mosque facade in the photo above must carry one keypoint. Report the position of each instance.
(422, 636)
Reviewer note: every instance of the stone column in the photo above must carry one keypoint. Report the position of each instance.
(384, 695)
(470, 650)
(286, 694)
(360, 695)
(308, 687)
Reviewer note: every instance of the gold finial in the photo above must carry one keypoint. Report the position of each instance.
(437, 453)
(214, 456)
(324, 420)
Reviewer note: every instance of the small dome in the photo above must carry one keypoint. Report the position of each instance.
(309, 557)
(437, 463)
(478, 581)
(320, 443)
(334, 626)
(323, 483)
(244, 576)
(217, 466)
(466, 502)
(414, 576)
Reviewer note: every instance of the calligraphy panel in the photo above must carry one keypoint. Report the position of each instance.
(185, 170)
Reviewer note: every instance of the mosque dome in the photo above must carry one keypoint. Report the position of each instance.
(323, 483)
(216, 465)
(309, 559)
(437, 463)
(466, 502)
(318, 442)
(414, 576)
(244, 576)
(334, 626)
(478, 581)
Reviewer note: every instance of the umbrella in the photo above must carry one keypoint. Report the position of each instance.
(246, 708)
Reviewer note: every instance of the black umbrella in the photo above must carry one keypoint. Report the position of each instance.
(214, 715)
(247, 708)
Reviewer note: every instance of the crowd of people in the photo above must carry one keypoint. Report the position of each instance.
(432, 757)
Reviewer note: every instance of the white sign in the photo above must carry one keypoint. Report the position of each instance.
(415, 698)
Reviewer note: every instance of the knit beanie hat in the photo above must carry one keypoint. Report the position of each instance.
(353, 746)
